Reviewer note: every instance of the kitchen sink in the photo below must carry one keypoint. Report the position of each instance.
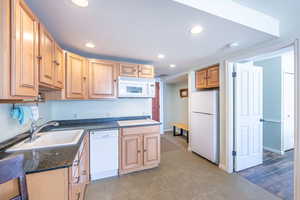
(49, 139)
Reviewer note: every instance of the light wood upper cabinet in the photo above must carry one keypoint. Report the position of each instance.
(24, 50)
(129, 70)
(102, 79)
(131, 152)
(151, 149)
(213, 77)
(47, 45)
(201, 81)
(135, 70)
(76, 77)
(208, 78)
(59, 68)
(146, 71)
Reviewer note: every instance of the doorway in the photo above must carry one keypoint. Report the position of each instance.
(264, 121)
(156, 103)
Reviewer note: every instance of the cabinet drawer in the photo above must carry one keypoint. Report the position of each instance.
(140, 130)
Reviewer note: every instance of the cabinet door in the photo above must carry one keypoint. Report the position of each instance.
(24, 52)
(102, 79)
(151, 149)
(131, 152)
(201, 79)
(146, 71)
(76, 79)
(46, 57)
(76, 192)
(59, 68)
(131, 70)
(213, 77)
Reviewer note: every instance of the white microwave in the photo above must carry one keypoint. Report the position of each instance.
(136, 87)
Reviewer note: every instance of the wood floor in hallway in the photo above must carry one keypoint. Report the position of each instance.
(182, 175)
(275, 174)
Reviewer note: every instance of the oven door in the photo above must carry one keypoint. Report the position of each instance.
(132, 89)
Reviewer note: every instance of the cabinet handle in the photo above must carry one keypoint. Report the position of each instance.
(84, 172)
(145, 150)
(139, 151)
(39, 57)
(76, 163)
(77, 179)
(55, 62)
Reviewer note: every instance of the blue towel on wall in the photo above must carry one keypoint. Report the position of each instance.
(22, 114)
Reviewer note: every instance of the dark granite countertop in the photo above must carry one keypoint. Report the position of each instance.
(39, 160)
(60, 157)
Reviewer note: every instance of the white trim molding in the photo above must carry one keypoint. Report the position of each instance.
(227, 103)
(274, 150)
(297, 122)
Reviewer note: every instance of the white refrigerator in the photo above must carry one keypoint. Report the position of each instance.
(205, 124)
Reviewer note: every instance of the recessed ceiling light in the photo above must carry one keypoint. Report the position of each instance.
(90, 45)
(81, 3)
(196, 30)
(161, 56)
(172, 65)
(233, 44)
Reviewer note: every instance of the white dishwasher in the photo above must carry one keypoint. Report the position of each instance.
(104, 159)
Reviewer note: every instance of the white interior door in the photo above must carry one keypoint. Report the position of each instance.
(288, 106)
(249, 110)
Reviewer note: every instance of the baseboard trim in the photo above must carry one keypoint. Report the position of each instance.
(274, 150)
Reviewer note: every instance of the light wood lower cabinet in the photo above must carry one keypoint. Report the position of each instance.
(131, 152)
(61, 184)
(151, 149)
(140, 148)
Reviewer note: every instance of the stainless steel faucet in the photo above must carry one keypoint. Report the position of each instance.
(35, 129)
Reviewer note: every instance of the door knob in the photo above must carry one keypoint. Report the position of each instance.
(261, 120)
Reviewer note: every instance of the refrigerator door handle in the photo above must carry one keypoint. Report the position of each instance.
(204, 113)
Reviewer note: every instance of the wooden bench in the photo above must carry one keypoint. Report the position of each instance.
(182, 127)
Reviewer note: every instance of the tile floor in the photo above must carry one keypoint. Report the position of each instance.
(182, 175)
(275, 174)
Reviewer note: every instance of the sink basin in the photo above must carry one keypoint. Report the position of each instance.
(49, 139)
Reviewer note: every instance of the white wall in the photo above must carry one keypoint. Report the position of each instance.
(10, 127)
(175, 107)
(66, 110)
